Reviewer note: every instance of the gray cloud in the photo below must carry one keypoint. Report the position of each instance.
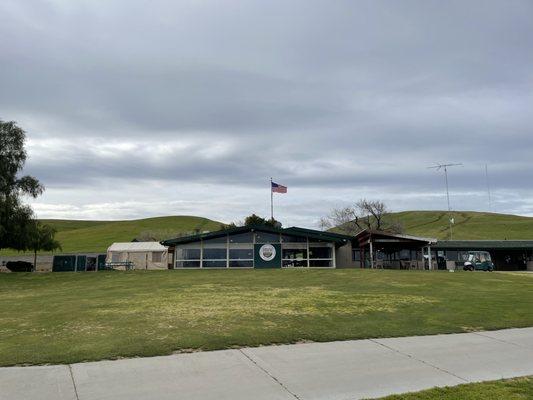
(352, 98)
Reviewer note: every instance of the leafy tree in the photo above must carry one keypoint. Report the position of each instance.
(365, 214)
(16, 219)
(252, 220)
(41, 238)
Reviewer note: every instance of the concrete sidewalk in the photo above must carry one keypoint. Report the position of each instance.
(337, 370)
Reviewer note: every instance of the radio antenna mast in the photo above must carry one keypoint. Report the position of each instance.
(488, 186)
(445, 167)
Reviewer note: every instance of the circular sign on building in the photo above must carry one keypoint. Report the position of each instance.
(267, 252)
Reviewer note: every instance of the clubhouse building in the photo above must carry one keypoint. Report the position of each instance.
(259, 247)
(269, 247)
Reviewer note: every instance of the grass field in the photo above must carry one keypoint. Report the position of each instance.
(70, 317)
(97, 236)
(510, 389)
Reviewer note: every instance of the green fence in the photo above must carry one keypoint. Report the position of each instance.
(78, 263)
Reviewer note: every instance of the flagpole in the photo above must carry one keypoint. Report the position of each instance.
(271, 201)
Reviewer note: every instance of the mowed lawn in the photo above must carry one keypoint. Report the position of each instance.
(510, 389)
(70, 317)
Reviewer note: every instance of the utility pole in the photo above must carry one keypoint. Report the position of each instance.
(488, 186)
(445, 168)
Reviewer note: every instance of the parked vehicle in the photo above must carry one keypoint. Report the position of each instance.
(19, 266)
(479, 260)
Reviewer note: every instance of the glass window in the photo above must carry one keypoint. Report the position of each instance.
(214, 264)
(294, 263)
(264, 237)
(215, 254)
(187, 264)
(247, 237)
(157, 256)
(294, 253)
(320, 263)
(187, 253)
(221, 239)
(241, 254)
(115, 257)
(356, 255)
(293, 239)
(241, 263)
(320, 252)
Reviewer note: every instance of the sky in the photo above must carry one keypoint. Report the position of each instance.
(136, 109)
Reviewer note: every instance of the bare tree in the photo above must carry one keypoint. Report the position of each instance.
(365, 214)
(343, 219)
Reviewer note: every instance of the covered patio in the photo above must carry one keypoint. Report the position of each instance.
(378, 249)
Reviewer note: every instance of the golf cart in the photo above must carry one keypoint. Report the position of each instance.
(478, 260)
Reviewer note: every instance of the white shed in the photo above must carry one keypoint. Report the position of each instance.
(144, 255)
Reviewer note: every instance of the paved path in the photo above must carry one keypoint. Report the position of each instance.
(337, 370)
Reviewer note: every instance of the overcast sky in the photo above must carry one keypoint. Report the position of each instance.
(136, 109)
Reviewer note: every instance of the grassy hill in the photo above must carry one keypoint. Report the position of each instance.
(97, 236)
(469, 225)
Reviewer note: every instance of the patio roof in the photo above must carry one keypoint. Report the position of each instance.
(366, 235)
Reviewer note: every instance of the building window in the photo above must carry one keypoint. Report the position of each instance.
(321, 263)
(356, 255)
(185, 253)
(264, 237)
(187, 264)
(293, 239)
(241, 254)
(215, 254)
(319, 252)
(293, 263)
(187, 256)
(241, 263)
(221, 239)
(321, 255)
(115, 257)
(247, 237)
(294, 254)
(214, 263)
(157, 256)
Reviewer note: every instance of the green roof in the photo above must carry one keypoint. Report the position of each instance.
(292, 231)
(483, 244)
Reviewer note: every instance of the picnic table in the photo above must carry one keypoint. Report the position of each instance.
(128, 265)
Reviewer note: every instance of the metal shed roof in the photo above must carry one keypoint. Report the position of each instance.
(137, 246)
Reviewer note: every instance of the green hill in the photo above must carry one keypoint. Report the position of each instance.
(97, 236)
(469, 225)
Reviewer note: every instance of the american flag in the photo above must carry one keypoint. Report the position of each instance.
(277, 188)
